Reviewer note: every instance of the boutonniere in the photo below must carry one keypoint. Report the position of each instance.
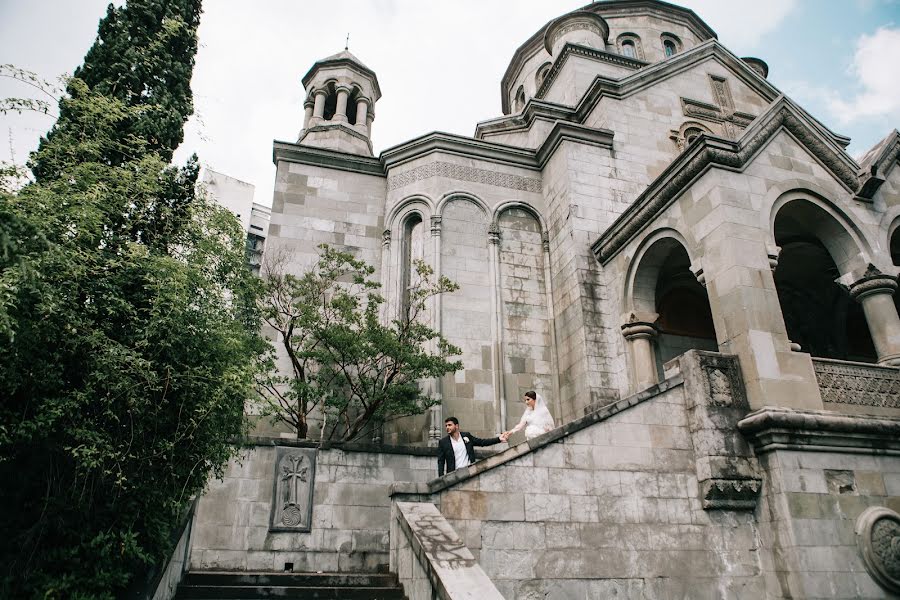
(466, 440)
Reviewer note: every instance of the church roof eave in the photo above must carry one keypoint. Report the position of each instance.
(343, 59)
(709, 152)
(875, 165)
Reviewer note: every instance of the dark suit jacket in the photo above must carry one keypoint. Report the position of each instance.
(445, 450)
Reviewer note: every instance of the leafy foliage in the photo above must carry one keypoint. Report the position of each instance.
(128, 343)
(349, 364)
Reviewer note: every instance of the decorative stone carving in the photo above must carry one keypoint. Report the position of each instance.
(724, 386)
(436, 224)
(873, 281)
(464, 173)
(292, 493)
(386, 238)
(494, 233)
(878, 538)
(859, 385)
(730, 494)
(722, 112)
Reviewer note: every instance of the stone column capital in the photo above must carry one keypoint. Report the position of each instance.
(773, 252)
(342, 89)
(309, 103)
(436, 224)
(386, 237)
(639, 330)
(494, 233)
(545, 241)
(320, 92)
(871, 285)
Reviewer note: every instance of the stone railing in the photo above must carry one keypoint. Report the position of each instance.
(161, 582)
(430, 559)
(858, 384)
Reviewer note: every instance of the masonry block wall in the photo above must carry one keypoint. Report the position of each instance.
(350, 516)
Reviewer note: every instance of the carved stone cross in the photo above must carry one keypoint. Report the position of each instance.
(721, 112)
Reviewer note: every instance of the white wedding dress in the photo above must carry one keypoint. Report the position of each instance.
(536, 421)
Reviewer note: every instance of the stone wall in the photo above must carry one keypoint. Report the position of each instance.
(350, 515)
(610, 509)
(809, 513)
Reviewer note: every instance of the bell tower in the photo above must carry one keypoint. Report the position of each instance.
(340, 105)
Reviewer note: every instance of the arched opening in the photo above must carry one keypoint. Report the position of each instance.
(895, 246)
(352, 106)
(412, 250)
(541, 75)
(520, 99)
(819, 314)
(691, 134)
(628, 49)
(665, 287)
(330, 103)
(669, 47)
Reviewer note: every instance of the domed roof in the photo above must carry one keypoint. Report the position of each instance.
(344, 58)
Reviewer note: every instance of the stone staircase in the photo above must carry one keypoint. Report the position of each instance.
(213, 585)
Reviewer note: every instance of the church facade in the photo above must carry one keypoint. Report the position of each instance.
(682, 260)
(645, 192)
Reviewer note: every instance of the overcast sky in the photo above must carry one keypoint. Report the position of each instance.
(439, 64)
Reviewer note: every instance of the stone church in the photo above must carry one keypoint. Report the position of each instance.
(690, 268)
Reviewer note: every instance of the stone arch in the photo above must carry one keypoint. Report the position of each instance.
(524, 306)
(842, 237)
(668, 311)
(522, 205)
(821, 252)
(686, 133)
(419, 202)
(441, 206)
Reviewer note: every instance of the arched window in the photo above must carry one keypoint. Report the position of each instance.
(630, 45)
(671, 44)
(413, 249)
(541, 75)
(520, 98)
(330, 104)
(691, 134)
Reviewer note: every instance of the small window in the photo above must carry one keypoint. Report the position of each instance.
(691, 134)
(628, 49)
(520, 99)
(541, 75)
(669, 47)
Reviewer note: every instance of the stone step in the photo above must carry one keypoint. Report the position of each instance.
(297, 586)
(289, 579)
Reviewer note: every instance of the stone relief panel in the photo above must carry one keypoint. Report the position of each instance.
(857, 384)
(878, 538)
(294, 479)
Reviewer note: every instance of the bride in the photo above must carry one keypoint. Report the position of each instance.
(537, 419)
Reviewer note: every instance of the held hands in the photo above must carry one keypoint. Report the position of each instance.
(504, 436)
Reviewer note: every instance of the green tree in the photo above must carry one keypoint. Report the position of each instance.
(353, 368)
(128, 343)
(143, 56)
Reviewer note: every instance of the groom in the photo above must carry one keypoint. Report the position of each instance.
(457, 450)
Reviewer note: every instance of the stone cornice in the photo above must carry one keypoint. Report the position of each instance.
(615, 8)
(711, 152)
(449, 143)
(445, 143)
(571, 49)
(322, 157)
(776, 428)
(342, 62)
(454, 477)
(876, 164)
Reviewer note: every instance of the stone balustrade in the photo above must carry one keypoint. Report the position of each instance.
(431, 560)
(857, 386)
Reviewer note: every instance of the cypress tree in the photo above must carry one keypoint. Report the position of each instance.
(143, 56)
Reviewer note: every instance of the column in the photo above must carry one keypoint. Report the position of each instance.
(340, 113)
(640, 333)
(551, 323)
(362, 107)
(875, 293)
(319, 104)
(436, 429)
(307, 112)
(497, 325)
(370, 116)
